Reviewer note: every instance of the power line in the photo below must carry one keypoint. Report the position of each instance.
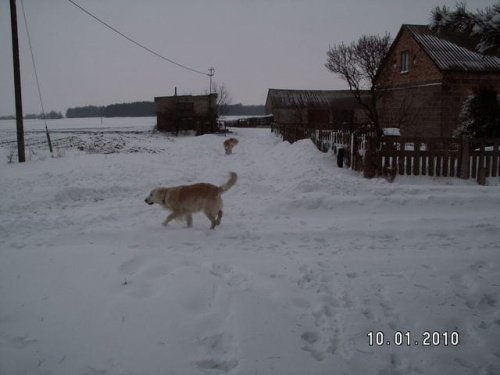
(32, 58)
(36, 78)
(136, 43)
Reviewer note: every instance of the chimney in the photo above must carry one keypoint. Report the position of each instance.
(175, 91)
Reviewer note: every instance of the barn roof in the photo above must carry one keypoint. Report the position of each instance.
(280, 98)
(452, 51)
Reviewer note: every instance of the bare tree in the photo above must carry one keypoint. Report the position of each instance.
(483, 24)
(357, 64)
(403, 111)
(224, 100)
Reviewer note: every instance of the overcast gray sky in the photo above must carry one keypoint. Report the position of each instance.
(253, 45)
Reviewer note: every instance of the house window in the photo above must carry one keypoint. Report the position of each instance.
(405, 62)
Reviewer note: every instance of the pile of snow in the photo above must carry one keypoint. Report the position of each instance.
(308, 260)
(392, 132)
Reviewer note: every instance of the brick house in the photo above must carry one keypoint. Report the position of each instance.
(186, 112)
(426, 77)
(320, 109)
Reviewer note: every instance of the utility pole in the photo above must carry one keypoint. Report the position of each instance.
(211, 73)
(211, 114)
(17, 83)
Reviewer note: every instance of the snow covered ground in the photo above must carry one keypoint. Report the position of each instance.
(308, 261)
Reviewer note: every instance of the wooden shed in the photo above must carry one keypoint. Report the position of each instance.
(320, 109)
(186, 112)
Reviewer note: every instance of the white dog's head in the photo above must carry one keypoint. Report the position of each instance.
(157, 196)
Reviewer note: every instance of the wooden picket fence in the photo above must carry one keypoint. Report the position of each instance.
(446, 157)
(413, 156)
(352, 145)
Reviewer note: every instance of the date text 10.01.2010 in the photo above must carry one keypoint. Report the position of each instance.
(427, 338)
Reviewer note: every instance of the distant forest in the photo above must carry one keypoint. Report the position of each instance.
(143, 109)
(52, 115)
(246, 110)
(136, 109)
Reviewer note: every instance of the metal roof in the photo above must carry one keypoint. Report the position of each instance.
(281, 98)
(453, 51)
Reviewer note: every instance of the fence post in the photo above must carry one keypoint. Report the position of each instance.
(465, 172)
(416, 157)
(481, 170)
(353, 167)
(368, 165)
(481, 175)
(340, 157)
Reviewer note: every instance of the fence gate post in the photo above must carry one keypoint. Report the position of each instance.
(368, 164)
(353, 167)
(481, 170)
(340, 157)
(465, 172)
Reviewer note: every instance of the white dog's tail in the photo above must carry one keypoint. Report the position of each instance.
(230, 183)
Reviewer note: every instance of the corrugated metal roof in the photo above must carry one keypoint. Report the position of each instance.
(453, 51)
(281, 98)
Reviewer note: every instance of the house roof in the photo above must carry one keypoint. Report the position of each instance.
(280, 98)
(452, 51)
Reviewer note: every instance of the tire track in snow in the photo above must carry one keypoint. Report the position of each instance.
(217, 339)
(326, 338)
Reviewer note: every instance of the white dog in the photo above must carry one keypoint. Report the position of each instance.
(186, 199)
(229, 144)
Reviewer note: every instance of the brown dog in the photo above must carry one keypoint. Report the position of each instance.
(186, 199)
(229, 144)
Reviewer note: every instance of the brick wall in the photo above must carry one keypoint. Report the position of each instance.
(415, 110)
(421, 68)
(425, 101)
(413, 99)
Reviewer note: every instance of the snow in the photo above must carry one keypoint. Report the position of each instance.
(308, 259)
(392, 131)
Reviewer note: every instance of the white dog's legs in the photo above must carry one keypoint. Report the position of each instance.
(219, 217)
(212, 219)
(189, 219)
(169, 219)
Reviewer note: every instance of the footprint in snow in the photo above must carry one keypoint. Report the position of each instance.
(325, 338)
(18, 342)
(132, 265)
(217, 348)
(230, 277)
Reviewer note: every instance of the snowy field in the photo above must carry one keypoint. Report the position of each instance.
(309, 261)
